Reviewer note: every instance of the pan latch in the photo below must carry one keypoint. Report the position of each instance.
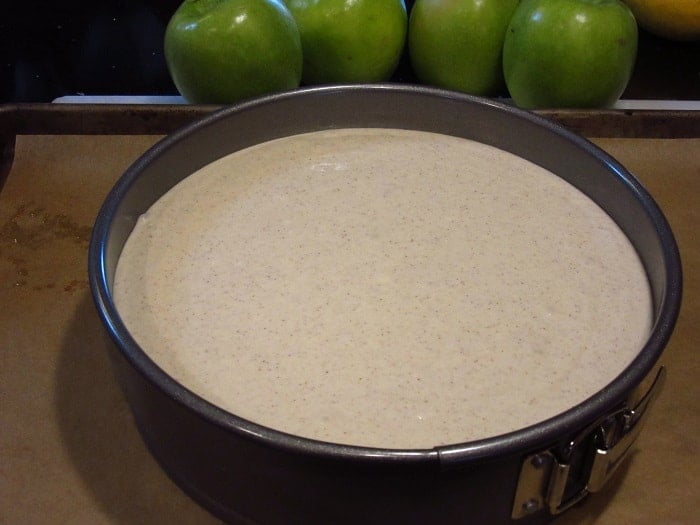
(558, 478)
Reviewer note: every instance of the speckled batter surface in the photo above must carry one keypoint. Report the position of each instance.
(383, 288)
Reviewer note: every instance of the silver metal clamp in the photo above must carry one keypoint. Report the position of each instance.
(550, 479)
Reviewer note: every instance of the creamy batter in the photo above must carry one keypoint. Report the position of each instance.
(383, 288)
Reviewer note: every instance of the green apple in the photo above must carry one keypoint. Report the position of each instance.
(569, 53)
(223, 51)
(457, 44)
(350, 40)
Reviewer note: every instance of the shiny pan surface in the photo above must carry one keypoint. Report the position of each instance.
(242, 471)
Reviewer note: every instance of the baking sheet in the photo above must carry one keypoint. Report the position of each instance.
(69, 452)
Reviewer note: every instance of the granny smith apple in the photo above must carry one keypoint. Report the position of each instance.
(457, 44)
(350, 40)
(569, 53)
(222, 51)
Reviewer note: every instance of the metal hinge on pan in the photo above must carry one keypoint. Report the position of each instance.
(559, 478)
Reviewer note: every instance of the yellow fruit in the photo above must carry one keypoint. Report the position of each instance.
(672, 19)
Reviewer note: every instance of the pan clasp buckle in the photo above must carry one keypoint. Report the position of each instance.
(556, 479)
